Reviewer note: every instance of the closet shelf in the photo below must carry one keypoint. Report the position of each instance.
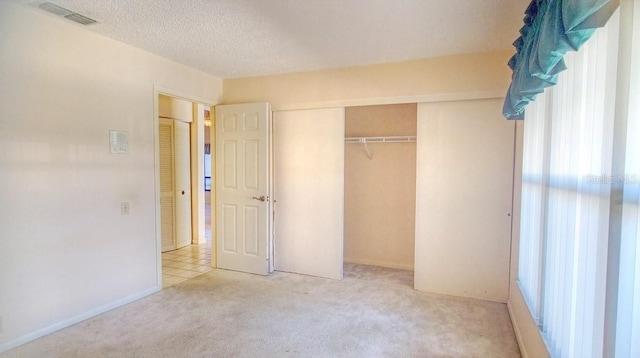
(365, 140)
(393, 139)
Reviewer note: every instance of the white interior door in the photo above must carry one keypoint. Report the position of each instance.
(308, 153)
(242, 187)
(167, 197)
(182, 175)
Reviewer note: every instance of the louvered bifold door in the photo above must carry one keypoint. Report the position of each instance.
(167, 195)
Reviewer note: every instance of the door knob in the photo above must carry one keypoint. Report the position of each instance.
(262, 198)
(183, 192)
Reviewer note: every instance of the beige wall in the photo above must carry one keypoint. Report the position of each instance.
(380, 192)
(466, 74)
(66, 252)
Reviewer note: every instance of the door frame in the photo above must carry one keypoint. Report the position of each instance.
(198, 157)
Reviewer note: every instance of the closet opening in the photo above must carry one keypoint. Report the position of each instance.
(380, 193)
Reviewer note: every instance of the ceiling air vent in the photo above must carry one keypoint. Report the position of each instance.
(55, 9)
(68, 14)
(80, 19)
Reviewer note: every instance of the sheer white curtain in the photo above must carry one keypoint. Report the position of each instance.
(566, 200)
(628, 320)
(575, 245)
(534, 188)
(628, 301)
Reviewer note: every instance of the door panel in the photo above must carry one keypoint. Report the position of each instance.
(309, 191)
(167, 205)
(229, 225)
(465, 154)
(182, 183)
(251, 153)
(229, 164)
(251, 230)
(242, 161)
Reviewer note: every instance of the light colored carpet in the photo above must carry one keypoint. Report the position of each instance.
(378, 275)
(230, 314)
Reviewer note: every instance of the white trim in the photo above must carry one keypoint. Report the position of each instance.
(530, 338)
(156, 182)
(75, 319)
(442, 97)
(516, 330)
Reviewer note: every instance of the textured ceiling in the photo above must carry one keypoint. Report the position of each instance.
(240, 38)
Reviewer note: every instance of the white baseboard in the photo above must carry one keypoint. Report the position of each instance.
(73, 320)
(517, 331)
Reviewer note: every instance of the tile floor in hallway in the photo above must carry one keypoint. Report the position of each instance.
(185, 263)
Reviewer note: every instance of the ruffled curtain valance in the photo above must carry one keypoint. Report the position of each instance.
(551, 29)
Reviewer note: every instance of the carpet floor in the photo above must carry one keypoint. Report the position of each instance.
(231, 314)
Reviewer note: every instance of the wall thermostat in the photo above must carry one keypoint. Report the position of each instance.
(119, 142)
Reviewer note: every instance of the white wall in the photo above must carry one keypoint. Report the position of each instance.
(65, 251)
(463, 199)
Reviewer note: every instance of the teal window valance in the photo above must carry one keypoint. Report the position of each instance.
(551, 29)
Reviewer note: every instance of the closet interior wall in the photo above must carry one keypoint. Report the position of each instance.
(380, 192)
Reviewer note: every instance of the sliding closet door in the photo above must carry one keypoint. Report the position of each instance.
(308, 152)
(463, 199)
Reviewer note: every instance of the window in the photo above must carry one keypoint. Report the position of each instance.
(568, 272)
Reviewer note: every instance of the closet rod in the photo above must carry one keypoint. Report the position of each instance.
(365, 140)
(393, 139)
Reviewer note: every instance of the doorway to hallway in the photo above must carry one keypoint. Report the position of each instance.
(189, 252)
